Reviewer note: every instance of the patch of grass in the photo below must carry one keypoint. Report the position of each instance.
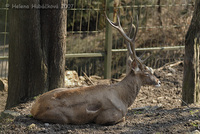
(138, 112)
(194, 113)
(6, 119)
(29, 116)
(34, 98)
(194, 125)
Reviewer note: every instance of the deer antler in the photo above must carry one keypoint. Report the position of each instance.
(130, 42)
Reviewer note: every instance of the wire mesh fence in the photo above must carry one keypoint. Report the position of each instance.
(161, 24)
(3, 39)
(85, 34)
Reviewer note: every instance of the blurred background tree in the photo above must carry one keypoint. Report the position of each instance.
(191, 86)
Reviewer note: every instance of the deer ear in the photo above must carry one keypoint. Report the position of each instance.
(134, 67)
(129, 62)
(134, 64)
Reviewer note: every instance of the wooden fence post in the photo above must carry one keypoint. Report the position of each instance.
(197, 88)
(108, 41)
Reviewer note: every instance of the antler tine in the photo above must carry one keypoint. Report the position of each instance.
(131, 48)
(128, 43)
(135, 28)
(132, 27)
(145, 58)
(142, 54)
(133, 39)
(118, 19)
(118, 27)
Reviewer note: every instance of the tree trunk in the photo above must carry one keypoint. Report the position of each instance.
(53, 24)
(36, 50)
(191, 89)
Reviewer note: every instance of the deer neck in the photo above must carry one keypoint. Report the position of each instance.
(129, 88)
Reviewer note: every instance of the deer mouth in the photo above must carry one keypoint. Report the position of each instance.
(159, 84)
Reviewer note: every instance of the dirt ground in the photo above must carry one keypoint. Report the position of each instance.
(156, 110)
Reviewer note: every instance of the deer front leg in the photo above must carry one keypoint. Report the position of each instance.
(109, 117)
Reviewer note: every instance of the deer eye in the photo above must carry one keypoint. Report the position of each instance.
(146, 74)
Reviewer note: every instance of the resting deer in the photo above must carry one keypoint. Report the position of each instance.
(100, 104)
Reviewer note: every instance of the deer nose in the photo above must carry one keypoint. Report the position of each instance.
(158, 84)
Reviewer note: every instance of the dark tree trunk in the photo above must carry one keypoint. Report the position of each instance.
(191, 89)
(53, 24)
(36, 50)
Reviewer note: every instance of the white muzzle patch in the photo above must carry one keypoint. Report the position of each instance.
(159, 84)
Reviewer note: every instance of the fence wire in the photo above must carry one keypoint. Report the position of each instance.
(161, 24)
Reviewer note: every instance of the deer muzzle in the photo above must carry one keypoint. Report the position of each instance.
(158, 84)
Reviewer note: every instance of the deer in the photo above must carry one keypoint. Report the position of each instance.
(99, 104)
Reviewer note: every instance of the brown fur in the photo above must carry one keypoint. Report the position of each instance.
(101, 104)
